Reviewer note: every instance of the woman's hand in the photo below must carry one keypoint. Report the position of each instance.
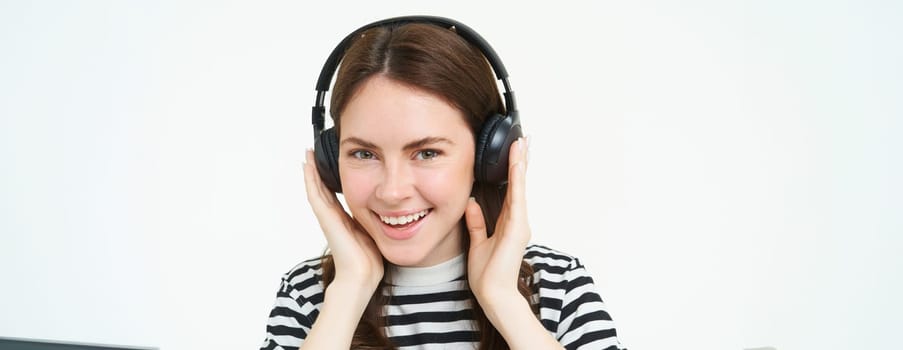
(358, 262)
(494, 262)
(493, 265)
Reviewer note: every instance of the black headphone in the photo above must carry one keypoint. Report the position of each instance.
(492, 144)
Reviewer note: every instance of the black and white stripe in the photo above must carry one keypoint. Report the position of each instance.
(439, 315)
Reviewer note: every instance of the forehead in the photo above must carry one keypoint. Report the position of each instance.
(384, 111)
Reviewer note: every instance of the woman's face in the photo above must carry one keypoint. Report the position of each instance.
(406, 165)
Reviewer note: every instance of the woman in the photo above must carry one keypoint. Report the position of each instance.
(413, 265)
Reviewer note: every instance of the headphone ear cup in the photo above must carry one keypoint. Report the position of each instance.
(326, 152)
(493, 145)
(486, 132)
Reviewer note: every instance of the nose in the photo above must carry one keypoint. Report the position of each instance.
(397, 183)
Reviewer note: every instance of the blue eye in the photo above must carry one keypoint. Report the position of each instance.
(427, 154)
(361, 154)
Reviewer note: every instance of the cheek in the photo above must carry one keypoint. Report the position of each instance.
(447, 185)
(356, 188)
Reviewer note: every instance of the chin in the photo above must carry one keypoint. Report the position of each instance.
(424, 247)
(403, 256)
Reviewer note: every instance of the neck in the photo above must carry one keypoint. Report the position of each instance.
(449, 270)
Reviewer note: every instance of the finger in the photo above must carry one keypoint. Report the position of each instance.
(310, 181)
(324, 192)
(330, 215)
(321, 199)
(517, 160)
(476, 225)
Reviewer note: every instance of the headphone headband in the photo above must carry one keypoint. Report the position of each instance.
(468, 34)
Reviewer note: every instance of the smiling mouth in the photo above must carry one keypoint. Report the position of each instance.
(404, 221)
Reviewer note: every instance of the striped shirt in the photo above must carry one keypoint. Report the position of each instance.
(430, 307)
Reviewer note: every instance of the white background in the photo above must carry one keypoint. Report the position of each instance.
(728, 171)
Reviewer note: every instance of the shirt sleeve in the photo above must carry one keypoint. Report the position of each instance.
(584, 322)
(288, 324)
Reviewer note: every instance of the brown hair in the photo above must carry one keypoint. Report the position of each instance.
(438, 61)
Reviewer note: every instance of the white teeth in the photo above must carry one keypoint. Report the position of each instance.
(401, 220)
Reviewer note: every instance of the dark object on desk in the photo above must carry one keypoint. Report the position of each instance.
(35, 344)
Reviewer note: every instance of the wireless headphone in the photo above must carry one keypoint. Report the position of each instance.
(492, 144)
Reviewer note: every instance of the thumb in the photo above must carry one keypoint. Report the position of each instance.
(475, 223)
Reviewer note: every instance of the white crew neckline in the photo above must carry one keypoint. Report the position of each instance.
(447, 271)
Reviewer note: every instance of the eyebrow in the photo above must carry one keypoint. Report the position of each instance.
(429, 140)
